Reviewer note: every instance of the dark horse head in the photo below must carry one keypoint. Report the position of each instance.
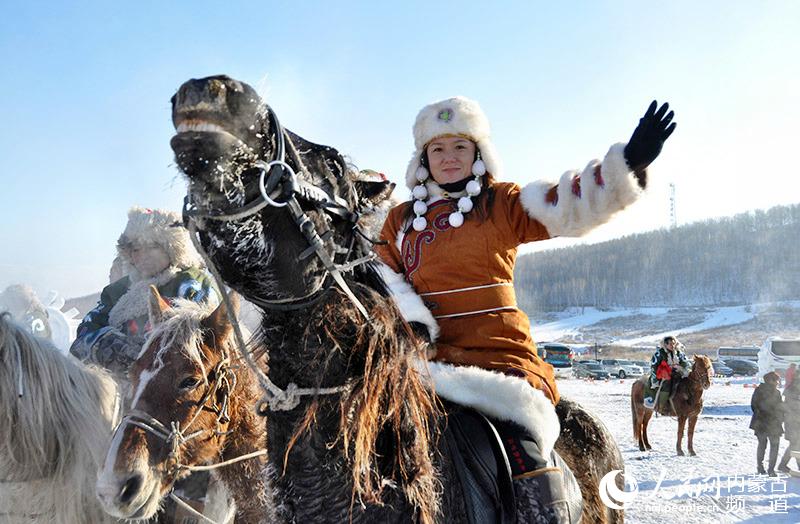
(279, 217)
(243, 168)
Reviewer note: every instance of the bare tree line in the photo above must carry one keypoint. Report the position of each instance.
(746, 258)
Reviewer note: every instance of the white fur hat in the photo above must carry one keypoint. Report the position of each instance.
(162, 228)
(453, 116)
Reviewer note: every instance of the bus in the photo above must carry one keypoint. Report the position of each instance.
(560, 356)
(777, 354)
(742, 353)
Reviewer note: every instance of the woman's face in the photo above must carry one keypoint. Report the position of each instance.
(450, 158)
(149, 260)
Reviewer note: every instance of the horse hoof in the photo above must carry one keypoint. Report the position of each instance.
(680, 453)
(692, 454)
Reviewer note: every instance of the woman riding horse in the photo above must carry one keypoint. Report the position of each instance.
(456, 244)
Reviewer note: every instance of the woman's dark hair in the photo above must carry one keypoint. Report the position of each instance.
(482, 204)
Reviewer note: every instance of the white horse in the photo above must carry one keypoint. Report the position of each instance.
(56, 417)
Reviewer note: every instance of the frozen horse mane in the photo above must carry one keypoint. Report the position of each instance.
(53, 437)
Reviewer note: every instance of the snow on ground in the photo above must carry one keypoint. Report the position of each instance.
(584, 324)
(718, 485)
(571, 323)
(724, 316)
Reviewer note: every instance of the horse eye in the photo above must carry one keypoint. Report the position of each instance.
(189, 383)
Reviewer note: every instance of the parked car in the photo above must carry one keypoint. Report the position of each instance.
(720, 369)
(621, 368)
(742, 367)
(590, 370)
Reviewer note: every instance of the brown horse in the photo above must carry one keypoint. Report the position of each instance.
(686, 402)
(194, 405)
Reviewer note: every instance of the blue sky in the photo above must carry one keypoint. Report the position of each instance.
(85, 101)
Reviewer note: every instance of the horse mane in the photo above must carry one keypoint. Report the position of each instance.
(386, 416)
(55, 435)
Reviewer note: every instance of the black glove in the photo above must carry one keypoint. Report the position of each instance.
(649, 136)
(115, 351)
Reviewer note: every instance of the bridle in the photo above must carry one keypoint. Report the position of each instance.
(175, 437)
(218, 391)
(279, 186)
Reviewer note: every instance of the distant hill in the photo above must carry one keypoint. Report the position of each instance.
(83, 304)
(748, 258)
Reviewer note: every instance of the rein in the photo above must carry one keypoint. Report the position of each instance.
(278, 176)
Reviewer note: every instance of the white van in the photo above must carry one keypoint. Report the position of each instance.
(777, 354)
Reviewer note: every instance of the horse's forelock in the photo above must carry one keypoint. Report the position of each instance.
(181, 331)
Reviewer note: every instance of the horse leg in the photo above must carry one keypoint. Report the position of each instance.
(681, 423)
(692, 423)
(645, 421)
(636, 415)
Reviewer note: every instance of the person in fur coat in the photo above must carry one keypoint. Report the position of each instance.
(155, 249)
(791, 424)
(767, 420)
(449, 260)
(669, 364)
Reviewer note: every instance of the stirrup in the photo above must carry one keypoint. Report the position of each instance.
(649, 403)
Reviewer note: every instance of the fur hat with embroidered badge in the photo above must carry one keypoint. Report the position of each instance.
(162, 228)
(457, 116)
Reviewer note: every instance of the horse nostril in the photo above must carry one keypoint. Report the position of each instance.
(130, 489)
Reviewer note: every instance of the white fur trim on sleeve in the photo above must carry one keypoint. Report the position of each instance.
(499, 396)
(408, 301)
(574, 215)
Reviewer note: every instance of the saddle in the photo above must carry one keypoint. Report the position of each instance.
(481, 465)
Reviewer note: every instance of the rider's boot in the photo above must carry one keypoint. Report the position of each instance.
(546, 479)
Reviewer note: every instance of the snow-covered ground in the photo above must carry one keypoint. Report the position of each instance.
(707, 327)
(718, 485)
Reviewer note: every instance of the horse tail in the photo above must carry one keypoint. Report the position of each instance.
(636, 428)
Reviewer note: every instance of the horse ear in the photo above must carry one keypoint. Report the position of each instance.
(156, 306)
(218, 321)
(374, 191)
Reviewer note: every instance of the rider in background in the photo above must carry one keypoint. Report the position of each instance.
(155, 249)
(455, 247)
(26, 309)
(669, 363)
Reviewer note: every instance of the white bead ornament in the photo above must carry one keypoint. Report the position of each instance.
(421, 174)
(473, 188)
(420, 192)
(478, 168)
(419, 223)
(456, 219)
(420, 208)
(465, 204)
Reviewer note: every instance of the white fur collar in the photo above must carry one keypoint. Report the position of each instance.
(133, 304)
(499, 396)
